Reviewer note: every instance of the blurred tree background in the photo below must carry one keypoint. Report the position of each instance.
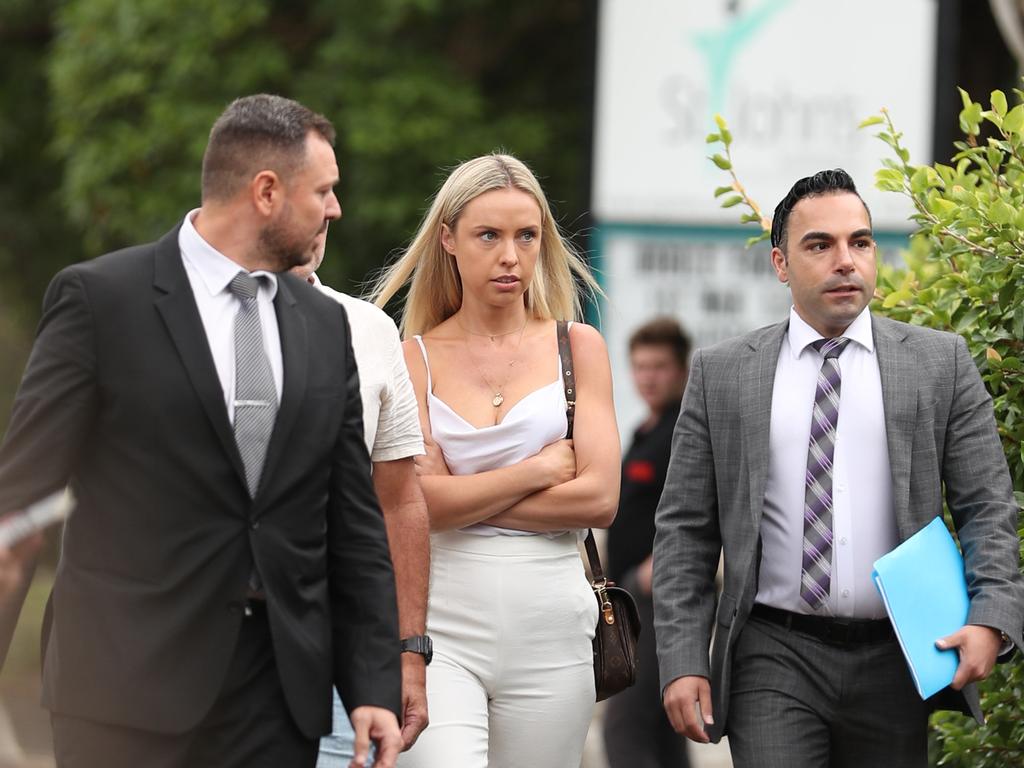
(105, 108)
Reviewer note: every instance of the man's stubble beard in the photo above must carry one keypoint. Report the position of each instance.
(279, 247)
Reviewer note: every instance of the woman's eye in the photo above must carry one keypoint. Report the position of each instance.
(488, 237)
(529, 236)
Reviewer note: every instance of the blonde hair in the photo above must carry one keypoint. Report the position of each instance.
(435, 289)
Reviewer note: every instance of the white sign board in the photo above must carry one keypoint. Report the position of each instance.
(793, 78)
(710, 282)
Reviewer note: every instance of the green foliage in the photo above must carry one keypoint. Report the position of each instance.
(34, 234)
(136, 87)
(966, 262)
(737, 194)
(963, 273)
(413, 87)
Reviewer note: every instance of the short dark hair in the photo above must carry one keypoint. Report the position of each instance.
(821, 183)
(254, 133)
(663, 332)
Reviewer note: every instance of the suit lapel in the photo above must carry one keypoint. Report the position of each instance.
(758, 373)
(295, 358)
(177, 306)
(896, 366)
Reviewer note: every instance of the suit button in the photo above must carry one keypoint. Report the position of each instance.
(254, 525)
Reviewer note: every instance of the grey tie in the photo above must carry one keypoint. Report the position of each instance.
(255, 393)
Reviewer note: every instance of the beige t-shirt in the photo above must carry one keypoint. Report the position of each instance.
(391, 422)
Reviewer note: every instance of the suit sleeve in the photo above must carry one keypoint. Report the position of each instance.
(980, 498)
(364, 613)
(53, 411)
(687, 542)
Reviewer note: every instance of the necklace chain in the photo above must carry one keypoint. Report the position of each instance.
(493, 336)
(498, 397)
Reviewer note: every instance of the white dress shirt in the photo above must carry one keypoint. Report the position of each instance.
(210, 273)
(391, 421)
(863, 521)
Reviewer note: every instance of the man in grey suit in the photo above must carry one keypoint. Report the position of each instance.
(803, 452)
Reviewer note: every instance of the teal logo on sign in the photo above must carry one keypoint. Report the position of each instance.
(720, 47)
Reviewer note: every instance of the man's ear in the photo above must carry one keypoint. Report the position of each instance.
(781, 264)
(266, 192)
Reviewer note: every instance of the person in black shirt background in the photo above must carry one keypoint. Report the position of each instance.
(637, 733)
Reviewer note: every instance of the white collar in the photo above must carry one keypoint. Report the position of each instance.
(214, 268)
(801, 335)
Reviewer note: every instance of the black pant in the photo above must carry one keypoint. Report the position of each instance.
(637, 732)
(249, 725)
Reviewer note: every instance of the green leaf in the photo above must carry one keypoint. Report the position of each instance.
(712, 138)
(719, 191)
(968, 319)
(757, 239)
(970, 119)
(720, 122)
(721, 162)
(873, 120)
(889, 180)
(998, 99)
(919, 180)
(942, 207)
(965, 97)
(897, 297)
(1007, 294)
(1001, 213)
(731, 201)
(1014, 120)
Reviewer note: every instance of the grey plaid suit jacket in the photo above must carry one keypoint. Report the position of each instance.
(940, 430)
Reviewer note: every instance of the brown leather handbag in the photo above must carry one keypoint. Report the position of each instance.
(618, 621)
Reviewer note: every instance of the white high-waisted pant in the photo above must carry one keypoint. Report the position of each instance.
(512, 681)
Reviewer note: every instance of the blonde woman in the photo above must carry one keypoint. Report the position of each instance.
(511, 613)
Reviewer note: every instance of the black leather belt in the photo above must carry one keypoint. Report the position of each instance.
(828, 630)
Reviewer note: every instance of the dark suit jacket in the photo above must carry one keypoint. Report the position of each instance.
(940, 433)
(121, 400)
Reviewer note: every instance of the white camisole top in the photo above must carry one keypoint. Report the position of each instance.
(535, 421)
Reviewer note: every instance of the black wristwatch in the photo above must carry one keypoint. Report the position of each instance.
(420, 644)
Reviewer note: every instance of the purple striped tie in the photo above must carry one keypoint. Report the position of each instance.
(816, 570)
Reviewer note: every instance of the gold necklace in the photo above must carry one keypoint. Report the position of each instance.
(491, 336)
(498, 398)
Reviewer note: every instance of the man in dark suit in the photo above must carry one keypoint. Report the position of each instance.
(803, 452)
(227, 559)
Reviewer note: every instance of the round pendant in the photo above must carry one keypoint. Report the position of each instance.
(498, 400)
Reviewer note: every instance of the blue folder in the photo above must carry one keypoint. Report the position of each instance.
(924, 589)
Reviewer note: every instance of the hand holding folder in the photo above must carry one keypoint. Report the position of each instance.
(924, 589)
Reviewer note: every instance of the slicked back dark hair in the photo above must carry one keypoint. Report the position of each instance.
(821, 183)
(663, 332)
(255, 133)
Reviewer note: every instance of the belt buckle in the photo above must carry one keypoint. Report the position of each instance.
(838, 632)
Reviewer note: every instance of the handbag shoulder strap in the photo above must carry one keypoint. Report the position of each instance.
(569, 383)
(568, 375)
